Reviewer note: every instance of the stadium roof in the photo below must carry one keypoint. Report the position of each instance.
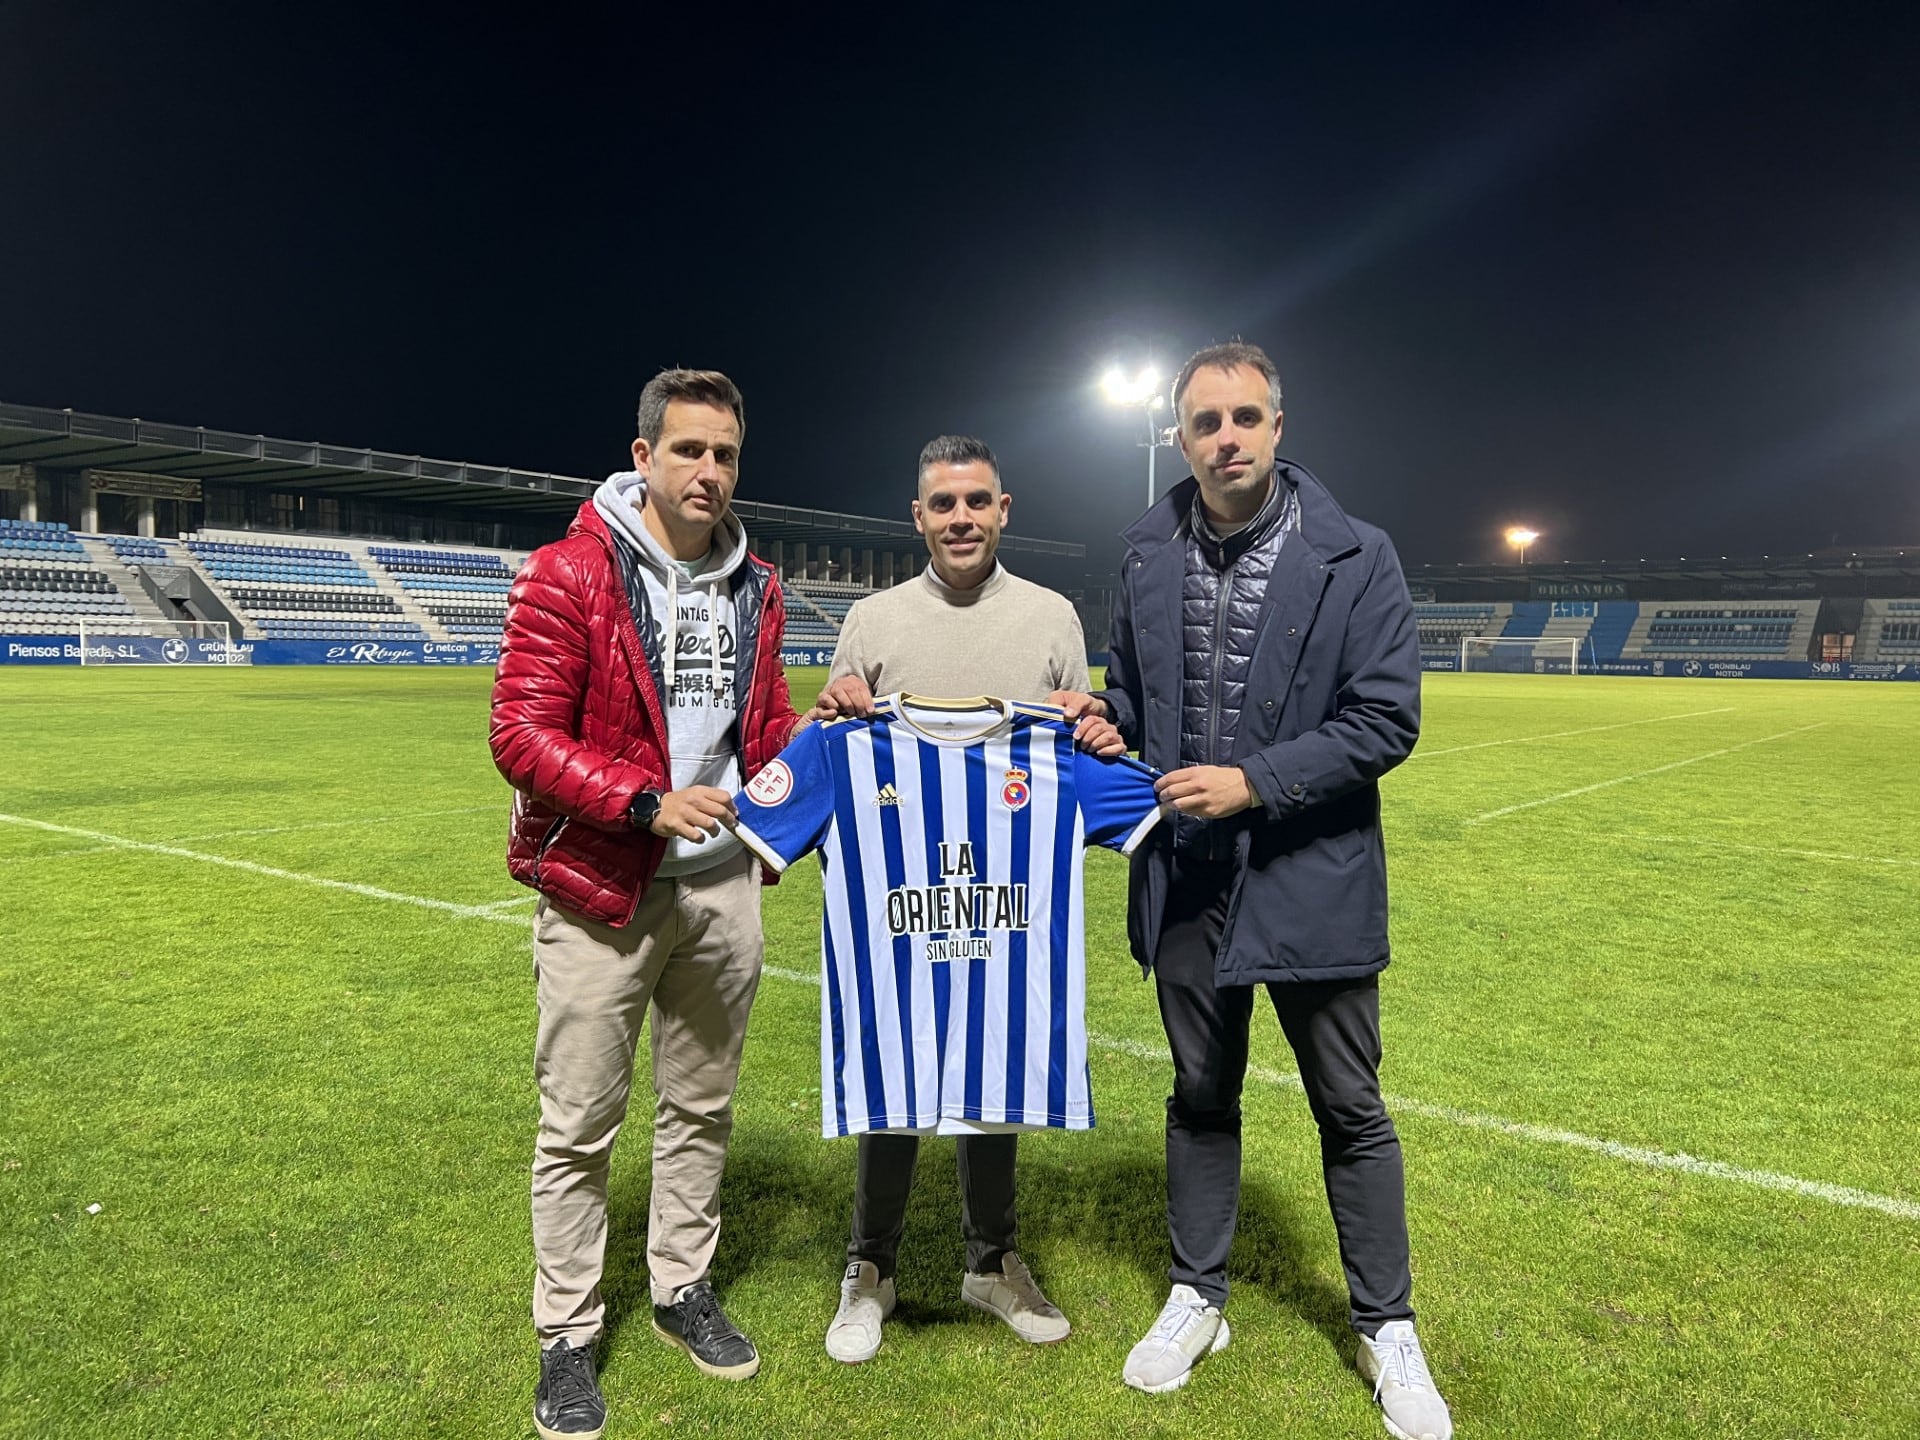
(1830, 571)
(1759, 571)
(76, 440)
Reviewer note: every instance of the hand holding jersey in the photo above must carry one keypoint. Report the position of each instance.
(845, 696)
(694, 814)
(1093, 729)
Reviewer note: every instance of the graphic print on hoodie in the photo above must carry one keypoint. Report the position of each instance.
(695, 626)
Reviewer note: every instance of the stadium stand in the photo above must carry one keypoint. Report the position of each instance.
(817, 609)
(1612, 625)
(136, 549)
(1625, 629)
(47, 578)
(464, 591)
(301, 592)
(1529, 620)
(1751, 631)
(1443, 626)
(1889, 630)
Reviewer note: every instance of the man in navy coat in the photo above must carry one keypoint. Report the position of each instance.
(1264, 655)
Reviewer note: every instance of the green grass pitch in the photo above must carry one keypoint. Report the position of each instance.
(1653, 1033)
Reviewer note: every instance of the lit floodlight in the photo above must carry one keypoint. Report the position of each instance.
(1141, 392)
(1520, 537)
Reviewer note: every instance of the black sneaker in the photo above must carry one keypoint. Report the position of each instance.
(568, 1406)
(696, 1323)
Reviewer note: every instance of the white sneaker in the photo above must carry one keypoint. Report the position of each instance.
(865, 1301)
(1188, 1328)
(1016, 1299)
(1410, 1403)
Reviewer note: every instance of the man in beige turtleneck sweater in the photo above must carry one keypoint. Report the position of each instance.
(963, 627)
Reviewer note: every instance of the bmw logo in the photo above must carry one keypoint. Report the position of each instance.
(175, 651)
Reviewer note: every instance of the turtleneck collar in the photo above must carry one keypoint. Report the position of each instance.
(992, 585)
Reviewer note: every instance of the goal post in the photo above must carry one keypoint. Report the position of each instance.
(1520, 654)
(162, 642)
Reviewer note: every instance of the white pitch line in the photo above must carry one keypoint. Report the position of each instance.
(263, 830)
(1838, 855)
(1564, 734)
(1842, 1195)
(371, 892)
(1639, 775)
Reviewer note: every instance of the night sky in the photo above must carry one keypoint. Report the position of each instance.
(1648, 278)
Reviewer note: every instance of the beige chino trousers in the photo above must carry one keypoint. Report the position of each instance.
(691, 958)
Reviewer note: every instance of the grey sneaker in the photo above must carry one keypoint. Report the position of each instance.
(1188, 1328)
(1016, 1299)
(865, 1301)
(1410, 1403)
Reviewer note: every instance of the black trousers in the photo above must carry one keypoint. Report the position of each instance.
(1334, 1029)
(885, 1179)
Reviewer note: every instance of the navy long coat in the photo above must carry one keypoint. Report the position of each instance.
(1333, 703)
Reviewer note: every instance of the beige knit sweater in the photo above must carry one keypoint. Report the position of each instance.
(1007, 638)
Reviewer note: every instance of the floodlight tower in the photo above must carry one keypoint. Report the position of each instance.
(1520, 537)
(1142, 392)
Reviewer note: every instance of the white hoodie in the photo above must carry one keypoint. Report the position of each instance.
(696, 628)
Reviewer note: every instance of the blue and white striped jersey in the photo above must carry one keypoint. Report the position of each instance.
(953, 985)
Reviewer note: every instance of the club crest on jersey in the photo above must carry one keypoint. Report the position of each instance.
(773, 785)
(1015, 791)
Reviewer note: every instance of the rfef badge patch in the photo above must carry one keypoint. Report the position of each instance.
(1015, 791)
(772, 785)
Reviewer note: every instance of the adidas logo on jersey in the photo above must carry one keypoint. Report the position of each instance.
(887, 795)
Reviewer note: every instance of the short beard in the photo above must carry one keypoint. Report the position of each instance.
(1259, 483)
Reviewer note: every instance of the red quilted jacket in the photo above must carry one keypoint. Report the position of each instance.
(578, 729)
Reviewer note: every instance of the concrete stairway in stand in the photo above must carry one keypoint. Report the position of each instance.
(108, 562)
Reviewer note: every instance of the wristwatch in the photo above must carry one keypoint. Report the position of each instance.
(644, 810)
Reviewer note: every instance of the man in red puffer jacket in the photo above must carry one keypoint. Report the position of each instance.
(640, 685)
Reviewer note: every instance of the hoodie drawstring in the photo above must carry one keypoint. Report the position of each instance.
(673, 623)
(713, 618)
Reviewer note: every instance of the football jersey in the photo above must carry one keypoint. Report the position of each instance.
(953, 970)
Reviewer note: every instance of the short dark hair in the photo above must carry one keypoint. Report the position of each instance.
(702, 387)
(1229, 356)
(956, 450)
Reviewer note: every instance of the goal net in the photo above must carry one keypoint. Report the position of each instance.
(162, 642)
(1520, 655)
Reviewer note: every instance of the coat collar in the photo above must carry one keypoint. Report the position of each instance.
(588, 522)
(1323, 528)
